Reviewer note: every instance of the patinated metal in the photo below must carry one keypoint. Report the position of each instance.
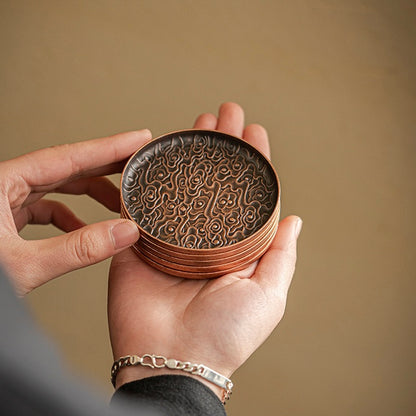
(205, 202)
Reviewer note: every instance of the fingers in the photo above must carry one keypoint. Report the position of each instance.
(46, 169)
(88, 245)
(257, 136)
(49, 212)
(206, 121)
(231, 119)
(101, 189)
(275, 269)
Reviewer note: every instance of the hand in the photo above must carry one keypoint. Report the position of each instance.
(71, 169)
(218, 322)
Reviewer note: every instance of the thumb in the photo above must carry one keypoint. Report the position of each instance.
(83, 247)
(277, 266)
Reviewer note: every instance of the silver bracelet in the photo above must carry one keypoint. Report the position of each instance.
(158, 361)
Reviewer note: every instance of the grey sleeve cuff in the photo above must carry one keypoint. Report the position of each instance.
(172, 395)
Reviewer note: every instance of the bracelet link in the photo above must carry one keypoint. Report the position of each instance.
(172, 364)
(134, 360)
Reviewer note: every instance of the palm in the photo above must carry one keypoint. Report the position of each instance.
(217, 322)
(157, 308)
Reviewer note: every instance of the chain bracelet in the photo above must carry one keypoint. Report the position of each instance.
(159, 361)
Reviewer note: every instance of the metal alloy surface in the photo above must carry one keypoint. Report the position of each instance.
(201, 269)
(196, 256)
(205, 202)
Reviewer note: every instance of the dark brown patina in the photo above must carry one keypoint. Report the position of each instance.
(200, 192)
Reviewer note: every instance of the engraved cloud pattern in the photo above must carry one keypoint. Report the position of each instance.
(199, 190)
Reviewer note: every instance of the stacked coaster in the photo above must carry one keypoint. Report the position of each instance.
(206, 203)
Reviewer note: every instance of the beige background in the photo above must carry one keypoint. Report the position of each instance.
(334, 83)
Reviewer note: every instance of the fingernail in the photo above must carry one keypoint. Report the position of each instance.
(144, 132)
(298, 227)
(124, 234)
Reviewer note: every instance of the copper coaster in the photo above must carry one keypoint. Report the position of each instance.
(184, 254)
(231, 264)
(200, 197)
(206, 258)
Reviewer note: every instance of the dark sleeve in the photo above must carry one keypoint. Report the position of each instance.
(172, 395)
(35, 382)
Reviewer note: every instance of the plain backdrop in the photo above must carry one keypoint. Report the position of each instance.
(333, 82)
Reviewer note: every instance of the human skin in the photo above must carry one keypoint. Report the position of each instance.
(77, 168)
(218, 322)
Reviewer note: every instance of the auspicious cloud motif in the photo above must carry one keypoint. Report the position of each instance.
(200, 190)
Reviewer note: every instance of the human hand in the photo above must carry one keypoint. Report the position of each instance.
(71, 169)
(218, 322)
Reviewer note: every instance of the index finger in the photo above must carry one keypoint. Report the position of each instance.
(54, 166)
